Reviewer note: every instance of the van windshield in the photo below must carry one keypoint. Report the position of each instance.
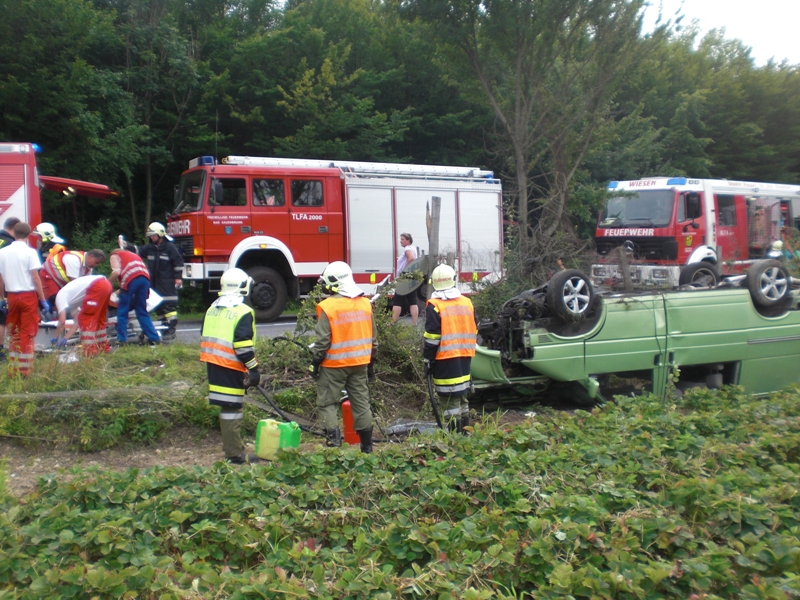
(190, 193)
(648, 208)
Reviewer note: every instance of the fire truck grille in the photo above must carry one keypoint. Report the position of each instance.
(185, 245)
(644, 248)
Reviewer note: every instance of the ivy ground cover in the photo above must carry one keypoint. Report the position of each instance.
(638, 499)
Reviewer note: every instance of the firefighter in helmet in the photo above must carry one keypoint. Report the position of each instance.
(48, 242)
(227, 346)
(343, 354)
(449, 345)
(165, 265)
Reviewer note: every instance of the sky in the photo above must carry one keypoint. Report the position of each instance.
(769, 27)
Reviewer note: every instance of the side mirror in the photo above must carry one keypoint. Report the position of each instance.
(695, 225)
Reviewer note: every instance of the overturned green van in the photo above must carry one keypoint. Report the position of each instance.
(565, 340)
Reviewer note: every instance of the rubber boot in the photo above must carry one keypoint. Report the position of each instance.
(333, 437)
(464, 424)
(365, 435)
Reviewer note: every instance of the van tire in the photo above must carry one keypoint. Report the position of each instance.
(701, 273)
(570, 295)
(269, 294)
(769, 283)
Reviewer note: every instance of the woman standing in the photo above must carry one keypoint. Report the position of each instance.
(407, 301)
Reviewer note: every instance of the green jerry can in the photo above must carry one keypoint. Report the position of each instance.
(271, 435)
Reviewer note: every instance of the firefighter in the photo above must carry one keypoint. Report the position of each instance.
(48, 243)
(19, 277)
(165, 264)
(61, 268)
(87, 300)
(134, 284)
(6, 239)
(343, 354)
(449, 345)
(227, 347)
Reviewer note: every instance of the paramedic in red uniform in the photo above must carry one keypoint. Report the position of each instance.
(6, 239)
(87, 300)
(61, 268)
(134, 283)
(19, 279)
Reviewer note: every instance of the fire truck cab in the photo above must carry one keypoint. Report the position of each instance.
(675, 230)
(283, 220)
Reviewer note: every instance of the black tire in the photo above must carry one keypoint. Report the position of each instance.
(769, 283)
(699, 274)
(570, 295)
(268, 296)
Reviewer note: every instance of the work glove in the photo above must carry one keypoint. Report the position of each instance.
(4, 307)
(427, 366)
(45, 306)
(252, 379)
(370, 372)
(314, 370)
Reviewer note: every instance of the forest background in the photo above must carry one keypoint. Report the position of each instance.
(557, 97)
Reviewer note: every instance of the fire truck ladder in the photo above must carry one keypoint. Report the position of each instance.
(347, 167)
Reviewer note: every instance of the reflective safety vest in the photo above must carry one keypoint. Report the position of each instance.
(132, 267)
(55, 269)
(459, 333)
(351, 331)
(216, 341)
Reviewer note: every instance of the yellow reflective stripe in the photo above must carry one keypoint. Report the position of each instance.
(432, 336)
(226, 390)
(244, 344)
(251, 364)
(453, 381)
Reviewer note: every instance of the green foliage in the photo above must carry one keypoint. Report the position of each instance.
(693, 499)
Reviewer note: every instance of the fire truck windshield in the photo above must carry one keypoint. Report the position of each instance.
(190, 194)
(650, 208)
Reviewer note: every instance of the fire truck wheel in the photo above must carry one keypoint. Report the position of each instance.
(268, 296)
(569, 295)
(769, 283)
(699, 274)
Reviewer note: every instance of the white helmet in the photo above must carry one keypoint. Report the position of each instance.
(335, 275)
(443, 278)
(235, 282)
(156, 228)
(47, 232)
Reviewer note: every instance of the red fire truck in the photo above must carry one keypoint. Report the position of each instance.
(283, 220)
(20, 184)
(678, 230)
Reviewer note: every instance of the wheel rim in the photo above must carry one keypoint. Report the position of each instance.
(263, 295)
(703, 277)
(575, 297)
(773, 283)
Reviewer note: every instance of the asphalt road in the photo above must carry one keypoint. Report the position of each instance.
(189, 331)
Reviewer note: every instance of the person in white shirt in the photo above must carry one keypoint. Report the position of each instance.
(19, 280)
(408, 302)
(87, 299)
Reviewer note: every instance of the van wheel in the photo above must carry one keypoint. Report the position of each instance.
(569, 295)
(268, 296)
(768, 282)
(700, 274)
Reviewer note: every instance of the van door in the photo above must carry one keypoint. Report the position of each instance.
(227, 216)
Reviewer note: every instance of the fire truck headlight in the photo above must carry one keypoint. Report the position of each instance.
(188, 270)
(198, 252)
(598, 272)
(660, 274)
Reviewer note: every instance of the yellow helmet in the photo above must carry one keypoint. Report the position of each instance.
(443, 278)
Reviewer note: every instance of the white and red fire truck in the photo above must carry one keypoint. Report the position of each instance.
(283, 220)
(679, 230)
(20, 184)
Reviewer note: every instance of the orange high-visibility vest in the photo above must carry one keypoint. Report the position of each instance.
(351, 331)
(54, 267)
(459, 333)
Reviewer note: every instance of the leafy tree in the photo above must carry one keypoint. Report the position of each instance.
(547, 68)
